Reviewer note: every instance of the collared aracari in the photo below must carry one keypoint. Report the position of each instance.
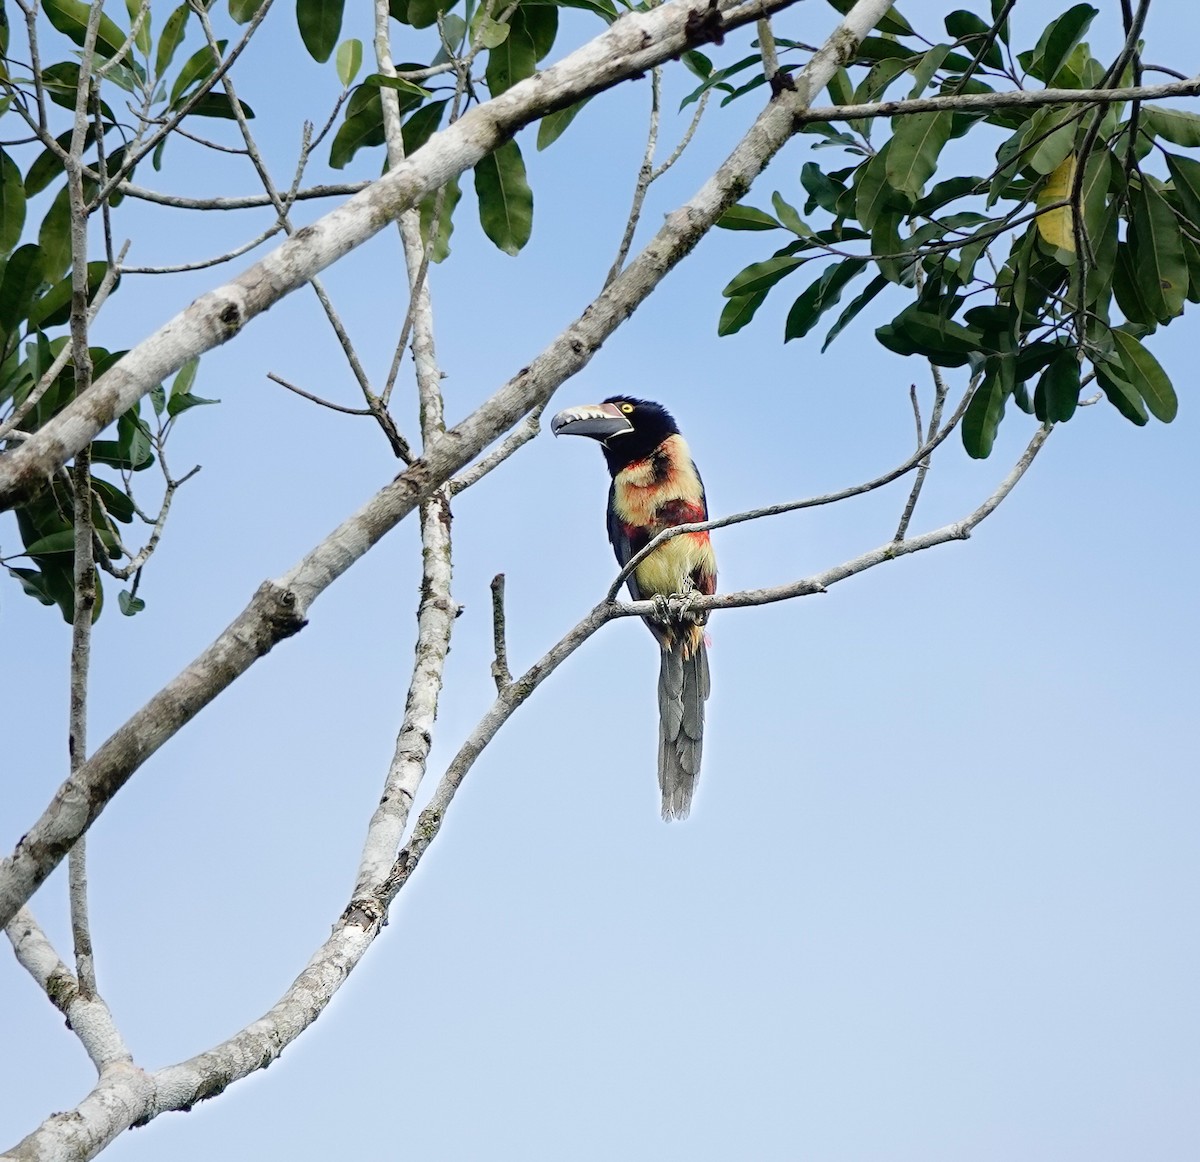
(655, 485)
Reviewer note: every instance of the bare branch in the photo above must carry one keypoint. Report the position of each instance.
(1013, 99)
(636, 42)
(84, 583)
(500, 670)
(939, 401)
(87, 1016)
(205, 263)
(336, 407)
(516, 692)
(529, 427)
(124, 1097)
(279, 608)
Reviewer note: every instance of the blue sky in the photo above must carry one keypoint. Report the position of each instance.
(937, 898)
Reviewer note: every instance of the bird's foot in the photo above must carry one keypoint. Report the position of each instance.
(681, 607)
(662, 608)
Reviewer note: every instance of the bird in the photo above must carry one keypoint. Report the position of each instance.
(655, 485)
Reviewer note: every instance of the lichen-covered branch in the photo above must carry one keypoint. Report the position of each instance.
(636, 42)
(279, 607)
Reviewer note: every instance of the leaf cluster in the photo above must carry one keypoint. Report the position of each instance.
(1049, 271)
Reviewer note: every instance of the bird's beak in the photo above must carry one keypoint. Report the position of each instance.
(598, 420)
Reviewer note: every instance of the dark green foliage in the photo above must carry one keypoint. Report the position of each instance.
(1031, 307)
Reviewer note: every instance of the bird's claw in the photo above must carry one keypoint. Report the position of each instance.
(683, 603)
(662, 608)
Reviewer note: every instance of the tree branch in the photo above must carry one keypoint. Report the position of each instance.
(279, 608)
(88, 1017)
(123, 1098)
(636, 42)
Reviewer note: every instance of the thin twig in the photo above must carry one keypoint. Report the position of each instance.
(939, 400)
(787, 506)
(84, 579)
(644, 178)
(205, 263)
(500, 671)
(516, 692)
(525, 431)
(336, 407)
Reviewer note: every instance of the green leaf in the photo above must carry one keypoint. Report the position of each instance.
(505, 199)
(983, 415)
(1120, 394)
(513, 60)
(70, 17)
(553, 125)
(61, 542)
(170, 38)
(822, 190)
(1093, 193)
(22, 278)
(948, 191)
(185, 377)
(917, 140)
(1057, 140)
(761, 276)
(54, 237)
(1058, 41)
(854, 307)
(421, 125)
(362, 127)
(54, 307)
(790, 216)
(182, 401)
(12, 203)
(1145, 375)
(891, 21)
(142, 40)
(923, 73)
(997, 8)
(1057, 392)
(158, 398)
(1158, 257)
(1126, 287)
(741, 217)
(420, 13)
(349, 61)
(541, 24)
(320, 24)
(198, 67)
(493, 33)
(970, 29)
(739, 311)
(116, 503)
(1174, 125)
(874, 192)
(820, 296)
(243, 11)
(1185, 175)
(942, 341)
(48, 166)
(445, 225)
(33, 583)
(407, 89)
(217, 104)
(129, 605)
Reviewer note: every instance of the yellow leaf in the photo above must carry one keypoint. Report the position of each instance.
(1056, 226)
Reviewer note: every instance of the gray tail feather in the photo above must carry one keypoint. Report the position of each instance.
(683, 685)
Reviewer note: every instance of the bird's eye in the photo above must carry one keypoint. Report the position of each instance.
(627, 408)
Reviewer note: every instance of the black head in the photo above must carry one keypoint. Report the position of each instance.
(628, 429)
